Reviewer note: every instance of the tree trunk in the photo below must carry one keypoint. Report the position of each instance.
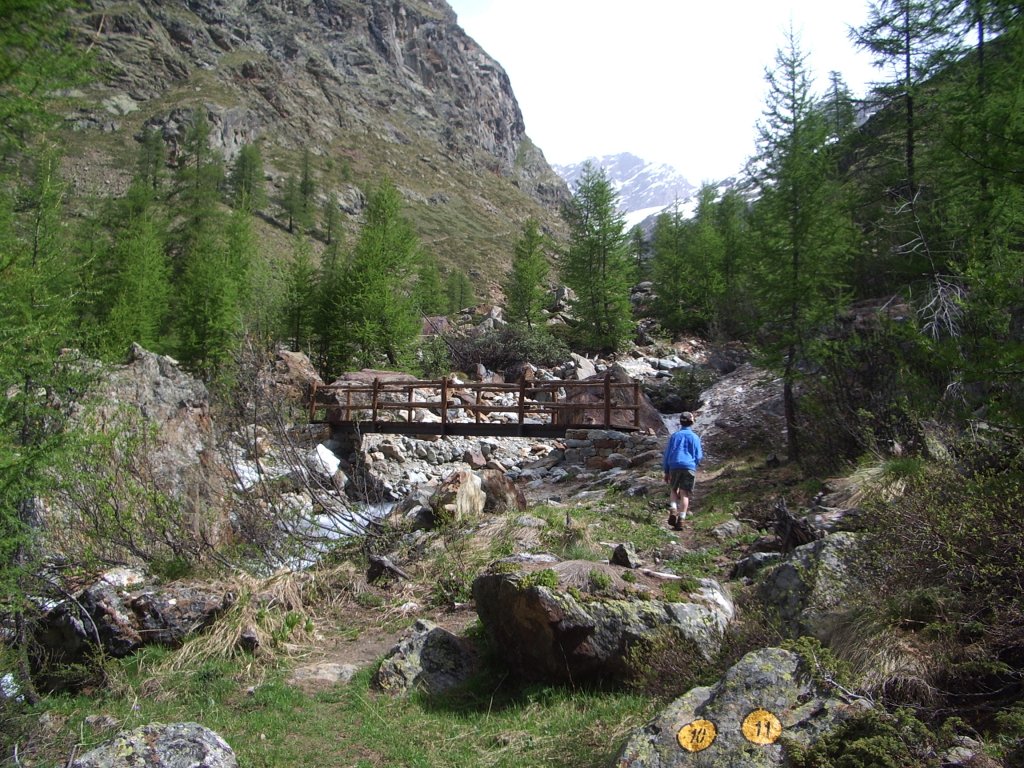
(789, 404)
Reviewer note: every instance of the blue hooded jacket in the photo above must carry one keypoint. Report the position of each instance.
(683, 451)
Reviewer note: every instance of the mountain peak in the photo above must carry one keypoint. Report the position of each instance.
(642, 186)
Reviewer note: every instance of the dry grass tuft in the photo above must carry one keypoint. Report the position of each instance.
(272, 617)
(888, 664)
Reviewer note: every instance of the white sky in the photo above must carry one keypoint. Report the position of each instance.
(674, 81)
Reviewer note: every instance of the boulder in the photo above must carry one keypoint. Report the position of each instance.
(152, 394)
(768, 694)
(502, 494)
(459, 496)
(546, 634)
(626, 556)
(120, 621)
(812, 584)
(431, 659)
(290, 381)
(177, 745)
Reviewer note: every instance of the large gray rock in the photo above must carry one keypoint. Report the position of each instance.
(771, 681)
(545, 634)
(178, 745)
(812, 585)
(431, 659)
(150, 395)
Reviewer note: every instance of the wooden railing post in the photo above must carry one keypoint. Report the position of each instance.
(408, 413)
(444, 401)
(607, 400)
(522, 403)
(373, 411)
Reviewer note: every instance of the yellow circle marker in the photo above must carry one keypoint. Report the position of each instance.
(698, 735)
(762, 727)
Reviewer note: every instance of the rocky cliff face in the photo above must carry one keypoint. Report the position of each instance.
(379, 87)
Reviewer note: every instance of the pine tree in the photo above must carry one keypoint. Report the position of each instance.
(459, 291)
(803, 227)
(429, 297)
(380, 317)
(141, 299)
(248, 191)
(597, 264)
(525, 288)
(300, 308)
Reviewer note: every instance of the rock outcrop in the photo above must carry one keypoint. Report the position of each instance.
(379, 85)
(741, 720)
(810, 587)
(181, 745)
(547, 634)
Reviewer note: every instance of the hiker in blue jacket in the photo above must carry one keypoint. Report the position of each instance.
(682, 457)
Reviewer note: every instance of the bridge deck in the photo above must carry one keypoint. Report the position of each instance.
(444, 407)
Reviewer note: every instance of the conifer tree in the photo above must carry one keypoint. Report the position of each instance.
(329, 313)
(248, 191)
(597, 264)
(803, 226)
(525, 288)
(459, 291)
(430, 298)
(141, 298)
(299, 307)
(380, 317)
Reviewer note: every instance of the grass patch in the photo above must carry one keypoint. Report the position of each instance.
(490, 723)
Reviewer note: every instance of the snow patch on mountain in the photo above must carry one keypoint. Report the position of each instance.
(640, 185)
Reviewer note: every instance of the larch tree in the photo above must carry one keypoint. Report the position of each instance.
(525, 287)
(803, 226)
(380, 319)
(597, 264)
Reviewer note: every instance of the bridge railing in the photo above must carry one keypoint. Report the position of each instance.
(444, 406)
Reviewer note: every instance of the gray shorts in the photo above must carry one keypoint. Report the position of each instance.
(682, 479)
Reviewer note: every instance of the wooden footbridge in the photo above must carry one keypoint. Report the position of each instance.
(450, 407)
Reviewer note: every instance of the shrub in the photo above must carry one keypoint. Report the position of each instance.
(667, 665)
(505, 348)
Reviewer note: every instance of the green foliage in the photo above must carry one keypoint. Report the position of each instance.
(299, 308)
(802, 223)
(599, 582)
(141, 292)
(434, 357)
(596, 264)
(545, 577)
(379, 317)
(689, 268)
(507, 347)
(876, 739)
(246, 181)
(956, 527)
(667, 664)
(38, 56)
(525, 289)
(459, 291)
(428, 295)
